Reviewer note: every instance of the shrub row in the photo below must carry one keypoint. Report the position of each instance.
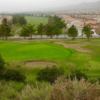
(10, 74)
(50, 74)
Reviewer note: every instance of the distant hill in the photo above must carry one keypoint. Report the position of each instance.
(94, 6)
(88, 6)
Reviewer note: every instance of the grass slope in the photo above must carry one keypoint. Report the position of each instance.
(64, 57)
(36, 20)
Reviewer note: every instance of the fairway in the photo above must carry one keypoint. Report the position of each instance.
(36, 20)
(81, 54)
(17, 51)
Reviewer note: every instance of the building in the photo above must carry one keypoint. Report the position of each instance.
(9, 18)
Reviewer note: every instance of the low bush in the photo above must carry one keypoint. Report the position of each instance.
(14, 75)
(2, 63)
(10, 74)
(78, 74)
(49, 74)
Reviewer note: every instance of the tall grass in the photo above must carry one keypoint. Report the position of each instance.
(38, 92)
(9, 90)
(64, 89)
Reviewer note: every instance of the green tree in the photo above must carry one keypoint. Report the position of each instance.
(49, 30)
(19, 20)
(40, 29)
(72, 32)
(27, 31)
(22, 20)
(24, 32)
(55, 26)
(5, 29)
(87, 30)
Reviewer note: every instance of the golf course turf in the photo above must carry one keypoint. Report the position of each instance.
(48, 50)
(21, 51)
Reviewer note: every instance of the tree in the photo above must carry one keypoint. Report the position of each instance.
(22, 20)
(5, 29)
(72, 32)
(28, 30)
(55, 26)
(40, 29)
(15, 20)
(19, 20)
(24, 32)
(87, 30)
(49, 30)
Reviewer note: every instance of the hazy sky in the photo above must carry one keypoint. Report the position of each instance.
(36, 5)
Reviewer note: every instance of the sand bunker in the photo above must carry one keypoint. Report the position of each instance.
(41, 64)
(77, 47)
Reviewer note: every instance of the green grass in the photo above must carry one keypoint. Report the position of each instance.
(19, 51)
(66, 58)
(36, 20)
(88, 62)
(30, 20)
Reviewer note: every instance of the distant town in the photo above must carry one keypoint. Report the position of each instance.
(79, 19)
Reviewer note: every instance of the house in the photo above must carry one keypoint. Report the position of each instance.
(9, 18)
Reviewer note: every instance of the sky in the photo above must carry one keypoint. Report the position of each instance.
(36, 5)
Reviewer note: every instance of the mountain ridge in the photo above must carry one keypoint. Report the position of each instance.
(94, 6)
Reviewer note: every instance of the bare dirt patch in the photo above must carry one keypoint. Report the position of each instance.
(77, 47)
(39, 64)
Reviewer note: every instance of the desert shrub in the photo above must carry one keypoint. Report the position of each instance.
(49, 74)
(64, 89)
(14, 75)
(78, 74)
(39, 92)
